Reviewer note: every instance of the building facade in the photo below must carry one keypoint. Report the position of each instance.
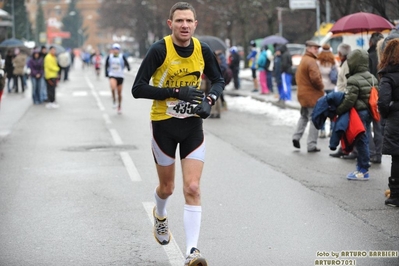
(55, 10)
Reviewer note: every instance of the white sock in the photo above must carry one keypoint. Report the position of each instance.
(161, 205)
(192, 225)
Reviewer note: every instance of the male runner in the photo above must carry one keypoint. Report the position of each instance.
(175, 65)
(114, 67)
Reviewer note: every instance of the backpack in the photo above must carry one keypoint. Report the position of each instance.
(227, 75)
(373, 103)
(64, 59)
(333, 75)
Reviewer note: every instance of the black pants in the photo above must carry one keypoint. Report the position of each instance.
(51, 84)
(395, 167)
(21, 77)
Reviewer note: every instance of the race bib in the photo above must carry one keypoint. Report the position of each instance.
(116, 67)
(180, 109)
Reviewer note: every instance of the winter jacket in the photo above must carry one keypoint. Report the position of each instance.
(286, 61)
(359, 83)
(373, 60)
(252, 58)
(234, 61)
(51, 67)
(262, 60)
(309, 81)
(342, 80)
(388, 105)
(348, 127)
(325, 107)
(19, 63)
(325, 75)
(36, 67)
(8, 65)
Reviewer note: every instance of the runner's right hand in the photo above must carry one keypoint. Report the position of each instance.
(188, 94)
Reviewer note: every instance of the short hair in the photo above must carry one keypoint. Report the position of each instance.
(375, 37)
(181, 6)
(344, 49)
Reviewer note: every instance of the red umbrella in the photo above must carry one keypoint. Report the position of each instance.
(361, 22)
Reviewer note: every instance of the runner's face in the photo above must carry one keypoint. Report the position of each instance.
(183, 26)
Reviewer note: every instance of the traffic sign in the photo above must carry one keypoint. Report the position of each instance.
(302, 4)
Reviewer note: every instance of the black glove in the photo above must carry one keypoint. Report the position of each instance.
(188, 94)
(204, 108)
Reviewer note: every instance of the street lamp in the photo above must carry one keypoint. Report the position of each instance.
(13, 19)
(280, 19)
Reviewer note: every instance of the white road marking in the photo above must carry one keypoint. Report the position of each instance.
(130, 167)
(172, 249)
(107, 119)
(79, 93)
(104, 93)
(95, 94)
(115, 136)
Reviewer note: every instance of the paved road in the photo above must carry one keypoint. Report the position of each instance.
(76, 188)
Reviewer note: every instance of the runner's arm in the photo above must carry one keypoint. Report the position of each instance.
(106, 66)
(141, 86)
(126, 63)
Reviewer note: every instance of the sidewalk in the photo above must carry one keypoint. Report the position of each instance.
(247, 87)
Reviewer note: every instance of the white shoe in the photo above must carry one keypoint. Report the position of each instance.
(55, 105)
(114, 105)
(49, 105)
(119, 111)
(195, 259)
(161, 229)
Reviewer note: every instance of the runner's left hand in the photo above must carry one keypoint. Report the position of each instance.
(204, 108)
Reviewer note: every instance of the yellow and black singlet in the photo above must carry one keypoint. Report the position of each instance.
(176, 72)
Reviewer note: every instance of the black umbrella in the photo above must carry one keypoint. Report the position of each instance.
(215, 43)
(10, 43)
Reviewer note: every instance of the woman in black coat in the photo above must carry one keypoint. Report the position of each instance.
(388, 105)
(9, 67)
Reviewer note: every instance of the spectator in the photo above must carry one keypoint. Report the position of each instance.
(343, 51)
(9, 69)
(19, 63)
(252, 64)
(51, 70)
(263, 65)
(277, 75)
(326, 61)
(375, 139)
(43, 95)
(64, 62)
(357, 96)
(234, 64)
(286, 73)
(388, 104)
(36, 66)
(310, 89)
(269, 70)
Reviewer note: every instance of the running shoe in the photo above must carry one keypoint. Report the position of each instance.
(114, 104)
(119, 111)
(361, 175)
(195, 259)
(161, 229)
